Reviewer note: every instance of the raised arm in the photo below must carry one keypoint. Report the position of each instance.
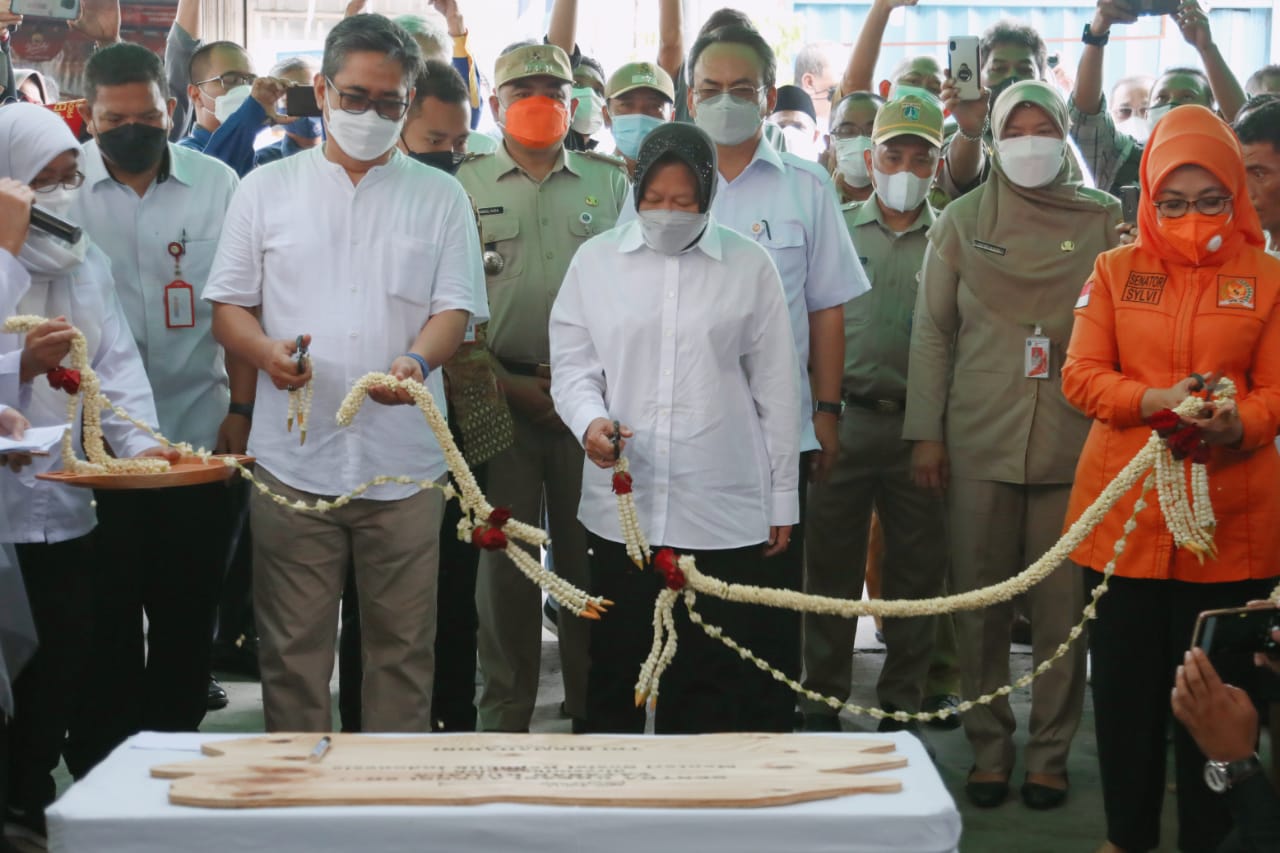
(859, 74)
(563, 29)
(188, 17)
(1194, 23)
(670, 36)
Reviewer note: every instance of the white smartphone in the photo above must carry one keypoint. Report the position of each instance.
(962, 60)
(65, 10)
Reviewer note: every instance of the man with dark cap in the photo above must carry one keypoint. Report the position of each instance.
(795, 116)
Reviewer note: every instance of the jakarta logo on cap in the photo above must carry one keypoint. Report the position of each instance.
(911, 112)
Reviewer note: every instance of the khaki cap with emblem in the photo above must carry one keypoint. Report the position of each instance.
(640, 75)
(535, 60)
(909, 115)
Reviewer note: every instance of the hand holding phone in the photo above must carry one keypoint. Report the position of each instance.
(1244, 631)
(1130, 196)
(964, 67)
(62, 10)
(300, 102)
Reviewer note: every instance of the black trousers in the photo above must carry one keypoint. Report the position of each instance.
(453, 698)
(57, 577)
(158, 553)
(235, 600)
(1143, 629)
(783, 629)
(708, 687)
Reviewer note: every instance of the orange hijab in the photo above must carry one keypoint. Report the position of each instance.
(1193, 135)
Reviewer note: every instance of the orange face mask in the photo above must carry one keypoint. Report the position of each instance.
(537, 122)
(1195, 235)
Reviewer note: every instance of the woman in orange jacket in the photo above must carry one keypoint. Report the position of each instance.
(1195, 294)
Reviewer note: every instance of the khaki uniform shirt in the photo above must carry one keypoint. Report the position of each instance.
(529, 233)
(877, 325)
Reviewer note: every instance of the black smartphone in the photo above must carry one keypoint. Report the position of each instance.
(300, 102)
(1155, 7)
(1129, 197)
(1239, 631)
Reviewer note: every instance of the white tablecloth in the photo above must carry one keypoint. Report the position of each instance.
(119, 808)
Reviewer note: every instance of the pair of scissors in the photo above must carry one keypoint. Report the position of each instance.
(616, 438)
(300, 354)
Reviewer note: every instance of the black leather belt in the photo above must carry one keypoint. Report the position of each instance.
(524, 368)
(884, 407)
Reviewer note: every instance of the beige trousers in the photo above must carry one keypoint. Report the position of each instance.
(300, 563)
(539, 476)
(997, 530)
(873, 471)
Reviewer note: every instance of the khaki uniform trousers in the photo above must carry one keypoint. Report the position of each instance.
(541, 471)
(300, 563)
(873, 471)
(997, 530)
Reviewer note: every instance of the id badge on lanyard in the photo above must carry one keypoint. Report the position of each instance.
(1036, 356)
(179, 297)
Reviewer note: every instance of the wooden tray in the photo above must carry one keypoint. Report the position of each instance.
(188, 471)
(703, 771)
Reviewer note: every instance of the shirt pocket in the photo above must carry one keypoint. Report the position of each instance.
(196, 261)
(588, 224)
(499, 240)
(412, 270)
(786, 244)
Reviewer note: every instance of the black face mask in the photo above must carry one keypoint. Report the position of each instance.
(445, 161)
(134, 148)
(998, 89)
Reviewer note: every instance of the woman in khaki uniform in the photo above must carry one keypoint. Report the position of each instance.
(992, 429)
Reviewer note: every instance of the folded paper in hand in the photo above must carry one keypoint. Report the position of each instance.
(34, 440)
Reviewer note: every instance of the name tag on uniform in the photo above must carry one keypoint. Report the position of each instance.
(180, 305)
(491, 211)
(991, 248)
(1036, 357)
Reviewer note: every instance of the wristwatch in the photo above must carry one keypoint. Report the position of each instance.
(836, 409)
(1221, 776)
(244, 410)
(1096, 41)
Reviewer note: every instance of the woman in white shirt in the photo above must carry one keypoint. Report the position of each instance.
(50, 523)
(676, 328)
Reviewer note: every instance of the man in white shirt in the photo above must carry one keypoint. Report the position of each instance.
(156, 209)
(373, 260)
(789, 207)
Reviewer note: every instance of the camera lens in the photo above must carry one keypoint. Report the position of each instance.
(953, 45)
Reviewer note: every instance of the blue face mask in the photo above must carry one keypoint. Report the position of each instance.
(629, 132)
(309, 127)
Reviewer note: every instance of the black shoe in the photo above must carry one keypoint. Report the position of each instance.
(889, 724)
(1042, 797)
(820, 722)
(217, 696)
(986, 795)
(943, 701)
(28, 826)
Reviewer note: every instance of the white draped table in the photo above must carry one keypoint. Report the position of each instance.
(119, 808)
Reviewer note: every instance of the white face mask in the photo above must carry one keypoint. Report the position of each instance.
(364, 137)
(902, 191)
(589, 117)
(801, 143)
(1136, 127)
(671, 232)
(1031, 161)
(727, 120)
(849, 160)
(56, 201)
(1154, 114)
(225, 105)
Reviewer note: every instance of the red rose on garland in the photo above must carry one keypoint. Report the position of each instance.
(1164, 422)
(1184, 442)
(489, 536)
(621, 484)
(1200, 455)
(64, 379)
(667, 565)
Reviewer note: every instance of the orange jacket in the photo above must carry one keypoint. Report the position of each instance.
(1147, 323)
(1150, 317)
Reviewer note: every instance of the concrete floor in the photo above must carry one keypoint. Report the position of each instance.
(1077, 827)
